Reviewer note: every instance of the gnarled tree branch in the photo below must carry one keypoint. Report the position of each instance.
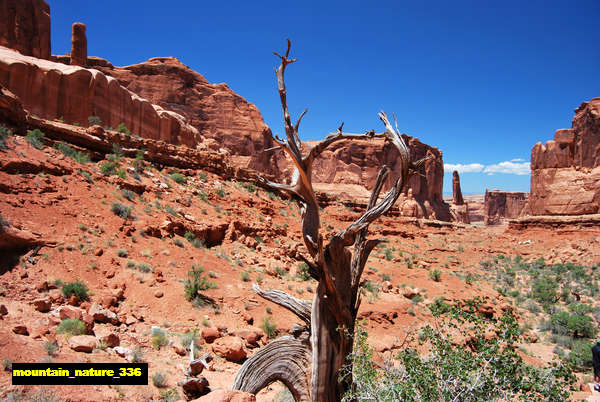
(300, 308)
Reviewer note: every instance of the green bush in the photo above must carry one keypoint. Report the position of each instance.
(159, 338)
(178, 178)
(120, 210)
(67, 150)
(122, 253)
(36, 138)
(436, 275)
(71, 326)
(122, 128)
(575, 325)
(489, 369)
(196, 282)
(128, 194)
(5, 132)
(95, 121)
(268, 326)
(77, 288)
(108, 168)
(544, 291)
(159, 380)
(50, 347)
(581, 355)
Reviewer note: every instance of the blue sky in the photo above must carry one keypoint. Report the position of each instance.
(481, 82)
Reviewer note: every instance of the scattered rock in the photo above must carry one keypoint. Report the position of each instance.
(82, 343)
(410, 293)
(65, 312)
(123, 352)
(98, 252)
(250, 335)
(42, 305)
(3, 310)
(210, 334)
(180, 350)
(103, 315)
(158, 294)
(107, 336)
(230, 348)
(20, 330)
(194, 387)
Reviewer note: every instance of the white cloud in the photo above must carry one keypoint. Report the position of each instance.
(515, 166)
(518, 168)
(460, 168)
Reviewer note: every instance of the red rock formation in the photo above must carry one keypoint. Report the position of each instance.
(457, 197)
(215, 110)
(25, 27)
(565, 172)
(52, 90)
(78, 45)
(499, 205)
(358, 162)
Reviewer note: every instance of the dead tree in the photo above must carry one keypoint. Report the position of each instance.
(331, 316)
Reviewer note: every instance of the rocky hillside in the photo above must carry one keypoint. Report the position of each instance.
(565, 172)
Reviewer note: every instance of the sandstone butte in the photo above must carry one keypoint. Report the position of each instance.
(565, 172)
(501, 205)
(54, 90)
(164, 99)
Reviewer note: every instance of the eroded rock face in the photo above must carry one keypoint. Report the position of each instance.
(214, 109)
(358, 162)
(500, 205)
(52, 90)
(79, 45)
(565, 172)
(457, 197)
(25, 27)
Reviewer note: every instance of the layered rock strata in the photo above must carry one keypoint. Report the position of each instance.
(25, 27)
(501, 205)
(565, 172)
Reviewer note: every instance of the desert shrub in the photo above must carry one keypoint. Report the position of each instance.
(245, 275)
(35, 138)
(7, 364)
(268, 326)
(544, 291)
(122, 128)
(580, 355)
(69, 151)
(121, 252)
(5, 132)
(196, 282)
(144, 267)
(487, 370)
(159, 380)
(159, 338)
(4, 223)
(71, 326)
(138, 355)
(436, 275)
(170, 395)
(77, 288)
(120, 210)
(303, 273)
(178, 178)
(170, 210)
(194, 241)
(128, 194)
(177, 241)
(575, 325)
(94, 121)
(108, 168)
(187, 338)
(50, 347)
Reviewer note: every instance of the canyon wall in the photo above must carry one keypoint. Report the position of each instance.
(500, 205)
(565, 172)
(25, 27)
(54, 90)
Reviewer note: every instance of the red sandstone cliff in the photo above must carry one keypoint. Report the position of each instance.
(25, 27)
(215, 110)
(565, 172)
(500, 205)
(357, 162)
(52, 90)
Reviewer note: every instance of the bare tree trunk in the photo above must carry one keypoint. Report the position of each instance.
(338, 271)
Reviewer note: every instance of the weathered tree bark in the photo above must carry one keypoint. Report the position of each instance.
(338, 271)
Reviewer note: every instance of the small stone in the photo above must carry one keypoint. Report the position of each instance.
(230, 348)
(98, 252)
(210, 334)
(195, 387)
(65, 312)
(82, 343)
(158, 294)
(20, 330)
(42, 305)
(3, 310)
